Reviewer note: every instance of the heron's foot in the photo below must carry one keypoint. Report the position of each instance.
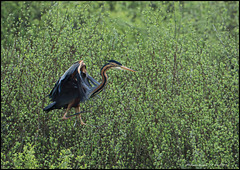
(82, 123)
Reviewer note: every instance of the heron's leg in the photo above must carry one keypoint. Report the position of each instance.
(68, 108)
(77, 110)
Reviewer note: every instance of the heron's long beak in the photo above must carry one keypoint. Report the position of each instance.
(125, 68)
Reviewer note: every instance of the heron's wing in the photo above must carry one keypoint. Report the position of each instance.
(75, 82)
(86, 84)
(92, 80)
(56, 91)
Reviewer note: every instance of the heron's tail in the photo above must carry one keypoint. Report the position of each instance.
(50, 107)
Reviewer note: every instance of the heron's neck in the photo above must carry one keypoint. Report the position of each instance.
(100, 87)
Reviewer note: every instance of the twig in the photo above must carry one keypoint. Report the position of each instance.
(220, 40)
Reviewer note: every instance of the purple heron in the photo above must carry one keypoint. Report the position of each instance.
(76, 86)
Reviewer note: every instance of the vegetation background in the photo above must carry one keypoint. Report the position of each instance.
(180, 110)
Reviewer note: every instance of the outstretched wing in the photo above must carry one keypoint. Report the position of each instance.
(64, 79)
(75, 82)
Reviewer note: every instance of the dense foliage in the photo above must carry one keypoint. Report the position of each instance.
(180, 110)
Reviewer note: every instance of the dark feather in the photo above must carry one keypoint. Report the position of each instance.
(71, 86)
(61, 81)
(50, 107)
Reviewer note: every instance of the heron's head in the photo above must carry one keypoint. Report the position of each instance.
(116, 65)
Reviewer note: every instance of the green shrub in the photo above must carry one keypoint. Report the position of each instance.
(25, 159)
